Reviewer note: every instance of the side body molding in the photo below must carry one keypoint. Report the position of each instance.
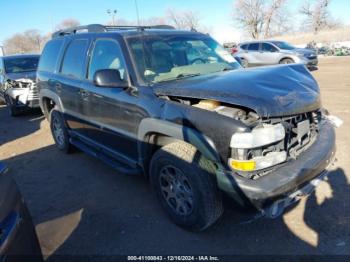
(150, 125)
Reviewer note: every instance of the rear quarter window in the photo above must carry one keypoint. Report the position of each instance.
(49, 57)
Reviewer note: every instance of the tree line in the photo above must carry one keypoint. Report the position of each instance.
(268, 18)
(256, 18)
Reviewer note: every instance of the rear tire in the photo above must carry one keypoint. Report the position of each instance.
(287, 61)
(185, 184)
(59, 132)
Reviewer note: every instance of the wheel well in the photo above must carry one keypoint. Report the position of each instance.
(284, 58)
(48, 105)
(153, 142)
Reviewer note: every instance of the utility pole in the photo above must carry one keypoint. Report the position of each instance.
(113, 14)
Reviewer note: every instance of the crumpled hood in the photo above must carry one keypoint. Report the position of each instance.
(25, 75)
(270, 91)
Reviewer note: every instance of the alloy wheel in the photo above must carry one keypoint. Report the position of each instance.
(176, 190)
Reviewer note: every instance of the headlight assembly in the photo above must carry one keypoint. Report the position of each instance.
(258, 137)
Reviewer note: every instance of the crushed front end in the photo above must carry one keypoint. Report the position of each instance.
(24, 92)
(280, 160)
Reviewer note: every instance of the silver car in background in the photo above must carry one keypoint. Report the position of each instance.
(259, 53)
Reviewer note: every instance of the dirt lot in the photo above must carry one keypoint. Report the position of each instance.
(81, 206)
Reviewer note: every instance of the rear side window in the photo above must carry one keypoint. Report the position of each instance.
(73, 61)
(49, 57)
(244, 47)
(253, 47)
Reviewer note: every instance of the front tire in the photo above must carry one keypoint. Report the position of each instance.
(185, 184)
(59, 132)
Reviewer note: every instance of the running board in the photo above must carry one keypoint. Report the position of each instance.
(120, 167)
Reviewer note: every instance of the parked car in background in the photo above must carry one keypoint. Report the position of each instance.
(177, 107)
(232, 48)
(18, 82)
(18, 240)
(259, 53)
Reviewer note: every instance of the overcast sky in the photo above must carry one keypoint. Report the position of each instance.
(20, 15)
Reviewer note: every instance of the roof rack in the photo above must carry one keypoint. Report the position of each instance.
(97, 28)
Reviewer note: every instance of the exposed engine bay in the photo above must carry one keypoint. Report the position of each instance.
(23, 91)
(19, 83)
(247, 116)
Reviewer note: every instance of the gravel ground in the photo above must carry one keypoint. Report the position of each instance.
(81, 206)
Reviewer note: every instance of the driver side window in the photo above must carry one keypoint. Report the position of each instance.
(107, 54)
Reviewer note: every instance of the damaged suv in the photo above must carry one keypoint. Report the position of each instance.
(177, 107)
(18, 82)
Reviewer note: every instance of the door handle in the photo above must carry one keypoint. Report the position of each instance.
(84, 94)
(58, 87)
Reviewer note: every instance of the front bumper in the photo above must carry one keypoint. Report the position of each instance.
(287, 179)
(24, 97)
(306, 61)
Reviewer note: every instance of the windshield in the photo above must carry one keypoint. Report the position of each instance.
(167, 58)
(283, 45)
(21, 64)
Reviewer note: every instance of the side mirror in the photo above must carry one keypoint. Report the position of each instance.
(109, 78)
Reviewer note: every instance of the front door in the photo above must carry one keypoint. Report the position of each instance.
(114, 114)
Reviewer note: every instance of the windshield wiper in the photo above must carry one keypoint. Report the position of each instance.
(179, 76)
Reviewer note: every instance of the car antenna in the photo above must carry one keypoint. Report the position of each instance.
(137, 12)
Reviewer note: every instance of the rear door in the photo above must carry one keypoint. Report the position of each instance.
(252, 54)
(68, 83)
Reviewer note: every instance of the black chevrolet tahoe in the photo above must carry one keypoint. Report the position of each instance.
(177, 107)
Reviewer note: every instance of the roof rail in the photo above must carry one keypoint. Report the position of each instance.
(97, 28)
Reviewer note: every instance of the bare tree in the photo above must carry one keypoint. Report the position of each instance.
(249, 15)
(273, 12)
(317, 15)
(69, 22)
(34, 39)
(30, 41)
(148, 21)
(260, 18)
(183, 19)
